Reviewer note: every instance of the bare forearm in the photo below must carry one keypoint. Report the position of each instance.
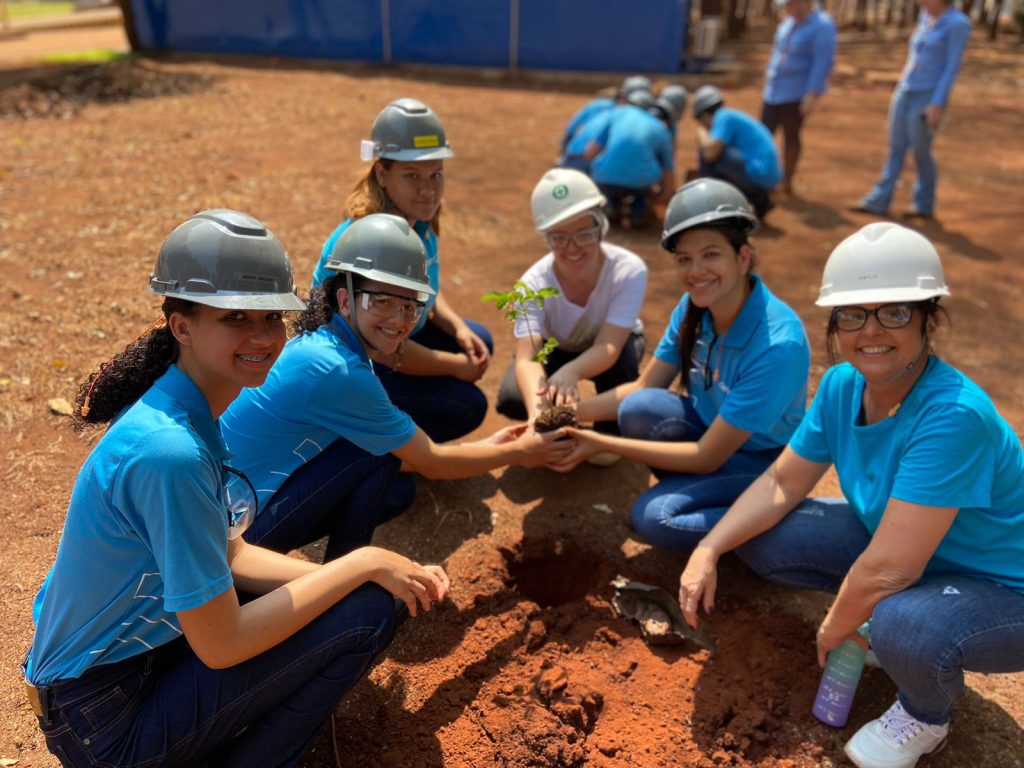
(760, 508)
(258, 571)
(418, 360)
(444, 317)
(529, 378)
(457, 462)
(605, 406)
(594, 361)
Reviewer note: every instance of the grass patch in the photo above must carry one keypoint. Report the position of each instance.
(95, 56)
(30, 9)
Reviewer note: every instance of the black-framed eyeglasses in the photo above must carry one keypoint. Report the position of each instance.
(891, 316)
(242, 502)
(387, 305)
(581, 239)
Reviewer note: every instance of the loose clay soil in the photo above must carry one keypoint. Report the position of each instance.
(526, 664)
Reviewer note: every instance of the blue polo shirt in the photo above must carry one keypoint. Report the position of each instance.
(802, 57)
(758, 370)
(145, 536)
(321, 272)
(936, 48)
(637, 149)
(588, 132)
(583, 116)
(321, 389)
(753, 141)
(946, 446)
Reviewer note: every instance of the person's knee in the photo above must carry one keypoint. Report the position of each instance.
(638, 418)
(900, 641)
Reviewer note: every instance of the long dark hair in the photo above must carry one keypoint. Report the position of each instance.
(736, 234)
(123, 379)
(323, 303)
(929, 308)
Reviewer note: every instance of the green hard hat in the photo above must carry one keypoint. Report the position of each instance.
(383, 247)
(226, 259)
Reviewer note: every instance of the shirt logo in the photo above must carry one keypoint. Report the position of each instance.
(560, 192)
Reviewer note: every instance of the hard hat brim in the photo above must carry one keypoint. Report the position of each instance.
(710, 217)
(573, 211)
(416, 155)
(878, 296)
(380, 276)
(269, 302)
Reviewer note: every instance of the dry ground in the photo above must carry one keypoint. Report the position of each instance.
(526, 665)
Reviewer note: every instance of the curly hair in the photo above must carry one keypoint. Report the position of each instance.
(124, 378)
(323, 303)
(736, 234)
(368, 196)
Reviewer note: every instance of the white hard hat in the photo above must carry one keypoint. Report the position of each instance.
(561, 194)
(881, 263)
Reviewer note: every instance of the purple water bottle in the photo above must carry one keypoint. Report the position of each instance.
(839, 682)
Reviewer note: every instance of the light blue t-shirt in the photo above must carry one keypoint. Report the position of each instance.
(752, 140)
(588, 132)
(321, 272)
(936, 48)
(145, 536)
(802, 58)
(583, 116)
(321, 389)
(946, 446)
(758, 370)
(637, 149)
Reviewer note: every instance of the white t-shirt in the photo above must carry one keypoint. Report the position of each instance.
(616, 299)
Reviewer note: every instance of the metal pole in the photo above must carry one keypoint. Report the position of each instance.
(513, 35)
(385, 29)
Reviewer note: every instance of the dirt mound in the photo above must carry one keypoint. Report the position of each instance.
(63, 93)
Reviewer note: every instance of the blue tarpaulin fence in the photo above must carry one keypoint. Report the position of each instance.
(606, 35)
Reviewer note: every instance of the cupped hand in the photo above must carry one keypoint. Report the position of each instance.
(697, 583)
(933, 116)
(542, 448)
(828, 639)
(586, 444)
(467, 370)
(508, 434)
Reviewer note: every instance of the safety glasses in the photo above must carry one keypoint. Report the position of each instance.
(581, 239)
(242, 503)
(387, 305)
(891, 316)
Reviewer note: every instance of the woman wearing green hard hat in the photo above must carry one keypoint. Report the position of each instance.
(928, 543)
(144, 653)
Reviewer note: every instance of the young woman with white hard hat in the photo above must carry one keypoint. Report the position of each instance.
(596, 315)
(322, 441)
(743, 357)
(431, 376)
(928, 543)
(143, 652)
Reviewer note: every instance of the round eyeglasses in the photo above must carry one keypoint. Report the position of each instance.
(891, 316)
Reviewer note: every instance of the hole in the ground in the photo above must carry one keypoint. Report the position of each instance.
(550, 573)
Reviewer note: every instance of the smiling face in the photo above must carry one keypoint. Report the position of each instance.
(884, 356)
(571, 259)
(224, 350)
(415, 188)
(712, 271)
(384, 332)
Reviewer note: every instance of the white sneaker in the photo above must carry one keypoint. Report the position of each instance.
(603, 459)
(895, 740)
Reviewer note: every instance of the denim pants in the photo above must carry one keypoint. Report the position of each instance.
(924, 636)
(907, 130)
(343, 493)
(626, 369)
(639, 203)
(167, 708)
(731, 167)
(682, 508)
(444, 407)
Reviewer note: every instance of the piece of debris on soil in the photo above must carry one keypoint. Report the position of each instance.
(60, 406)
(661, 622)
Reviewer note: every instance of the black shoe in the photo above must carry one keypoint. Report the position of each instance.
(860, 208)
(914, 213)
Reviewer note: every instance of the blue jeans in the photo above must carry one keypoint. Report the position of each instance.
(167, 708)
(907, 129)
(731, 167)
(343, 493)
(626, 369)
(682, 508)
(924, 636)
(444, 407)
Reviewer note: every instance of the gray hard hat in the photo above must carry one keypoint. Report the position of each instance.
(409, 130)
(677, 96)
(634, 83)
(642, 99)
(706, 201)
(383, 247)
(663, 109)
(225, 259)
(706, 97)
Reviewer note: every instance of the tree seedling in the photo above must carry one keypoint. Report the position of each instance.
(514, 304)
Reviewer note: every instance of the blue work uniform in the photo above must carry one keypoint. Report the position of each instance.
(946, 446)
(584, 115)
(145, 536)
(802, 57)
(636, 149)
(747, 137)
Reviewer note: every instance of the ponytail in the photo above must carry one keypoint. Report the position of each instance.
(323, 303)
(124, 378)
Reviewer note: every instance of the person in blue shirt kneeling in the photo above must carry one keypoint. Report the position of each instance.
(928, 543)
